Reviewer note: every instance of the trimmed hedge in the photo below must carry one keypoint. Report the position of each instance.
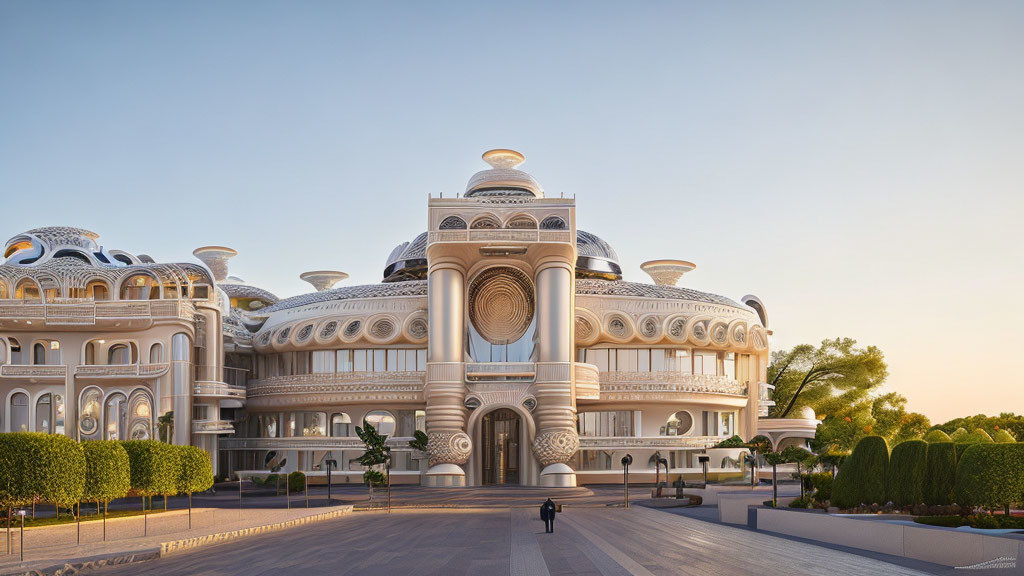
(107, 471)
(940, 474)
(991, 475)
(155, 467)
(957, 434)
(861, 478)
(196, 471)
(937, 436)
(38, 467)
(1003, 437)
(904, 484)
(822, 483)
(979, 436)
(296, 481)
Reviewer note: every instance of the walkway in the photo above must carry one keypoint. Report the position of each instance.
(588, 541)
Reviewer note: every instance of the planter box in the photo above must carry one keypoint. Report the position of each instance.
(944, 546)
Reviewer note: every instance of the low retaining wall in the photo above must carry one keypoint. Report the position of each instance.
(734, 508)
(929, 544)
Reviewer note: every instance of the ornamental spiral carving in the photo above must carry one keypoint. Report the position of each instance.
(555, 446)
(700, 331)
(282, 336)
(304, 333)
(418, 328)
(677, 328)
(720, 334)
(448, 447)
(584, 330)
(352, 329)
(501, 304)
(618, 327)
(382, 329)
(739, 334)
(329, 329)
(649, 327)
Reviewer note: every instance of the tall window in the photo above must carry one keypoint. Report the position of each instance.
(115, 416)
(678, 424)
(140, 287)
(119, 354)
(44, 414)
(156, 353)
(340, 424)
(26, 290)
(382, 420)
(89, 414)
(140, 414)
(19, 412)
(606, 423)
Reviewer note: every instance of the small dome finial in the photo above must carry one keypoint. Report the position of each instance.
(323, 279)
(667, 272)
(216, 259)
(503, 158)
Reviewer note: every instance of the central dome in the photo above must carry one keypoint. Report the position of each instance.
(503, 179)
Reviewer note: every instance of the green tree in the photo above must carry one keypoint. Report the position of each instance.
(894, 423)
(904, 483)
(195, 473)
(107, 472)
(155, 467)
(377, 454)
(861, 478)
(419, 441)
(809, 376)
(37, 467)
(991, 475)
(940, 473)
(165, 426)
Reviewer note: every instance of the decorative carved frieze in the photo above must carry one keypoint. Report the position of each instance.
(555, 446)
(449, 447)
(647, 383)
(655, 442)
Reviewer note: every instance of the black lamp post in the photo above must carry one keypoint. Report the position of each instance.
(626, 461)
(704, 459)
(21, 547)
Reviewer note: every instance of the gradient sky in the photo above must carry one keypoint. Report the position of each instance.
(857, 165)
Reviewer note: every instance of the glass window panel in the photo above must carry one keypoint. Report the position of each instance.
(323, 361)
(379, 362)
(598, 358)
(657, 360)
(344, 361)
(359, 361)
(643, 360)
(400, 366)
(625, 360)
(392, 360)
(730, 366)
(421, 359)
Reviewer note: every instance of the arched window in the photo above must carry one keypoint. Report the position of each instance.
(140, 413)
(452, 223)
(156, 353)
(38, 354)
(15, 350)
(44, 414)
(340, 424)
(485, 223)
(553, 223)
(171, 289)
(522, 222)
(26, 290)
(115, 416)
(678, 424)
(119, 354)
(19, 412)
(382, 420)
(3, 289)
(421, 420)
(140, 287)
(89, 414)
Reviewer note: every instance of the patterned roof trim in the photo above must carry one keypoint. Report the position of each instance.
(592, 246)
(74, 273)
(386, 290)
(591, 287)
(233, 325)
(247, 291)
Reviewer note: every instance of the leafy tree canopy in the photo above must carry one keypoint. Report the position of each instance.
(1008, 421)
(817, 377)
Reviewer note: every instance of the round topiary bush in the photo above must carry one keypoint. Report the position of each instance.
(940, 474)
(937, 436)
(296, 481)
(154, 466)
(904, 484)
(957, 434)
(861, 478)
(37, 467)
(196, 471)
(107, 471)
(991, 475)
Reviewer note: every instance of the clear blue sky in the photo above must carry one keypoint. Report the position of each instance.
(859, 166)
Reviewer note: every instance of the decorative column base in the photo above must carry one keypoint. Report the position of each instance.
(558, 476)
(444, 476)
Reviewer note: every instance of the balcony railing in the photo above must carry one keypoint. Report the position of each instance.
(304, 389)
(588, 382)
(212, 427)
(665, 384)
(153, 370)
(491, 235)
(227, 375)
(500, 371)
(70, 311)
(625, 442)
(306, 443)
(33, 371)
(219, 390)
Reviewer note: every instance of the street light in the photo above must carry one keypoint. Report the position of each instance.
(704, 464)
(626, 461)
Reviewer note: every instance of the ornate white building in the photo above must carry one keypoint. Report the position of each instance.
(503, 331)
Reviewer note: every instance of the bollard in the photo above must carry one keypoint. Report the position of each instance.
(306, 488)
(21, 547)
(626, 461)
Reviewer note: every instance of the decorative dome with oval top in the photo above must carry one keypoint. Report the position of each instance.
(503, 179)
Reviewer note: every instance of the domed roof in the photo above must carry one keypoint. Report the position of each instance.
(503, 179)
(807, 413)
(596, 258)
(408, 261)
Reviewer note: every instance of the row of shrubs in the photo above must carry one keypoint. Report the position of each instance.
(295, 480)
(37, 467)
(939, 473)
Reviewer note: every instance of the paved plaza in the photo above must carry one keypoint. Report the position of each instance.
(593, 540)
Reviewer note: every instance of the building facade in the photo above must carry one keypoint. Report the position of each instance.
(503, 331)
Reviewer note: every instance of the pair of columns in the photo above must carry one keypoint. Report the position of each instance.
(556, 440)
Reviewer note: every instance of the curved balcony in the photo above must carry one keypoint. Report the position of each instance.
(34, 372)
(588, 382)
(503, 235)
(218, 391)
(672, 386)
(212, 427)
(70, 312)
(310, 390)
(120, 371)
(653, 442)
(500, 371)
(306, 443)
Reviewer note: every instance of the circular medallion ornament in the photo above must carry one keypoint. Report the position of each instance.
(329, 329)
(501, 304)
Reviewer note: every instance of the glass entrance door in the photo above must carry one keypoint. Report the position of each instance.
(500, 442)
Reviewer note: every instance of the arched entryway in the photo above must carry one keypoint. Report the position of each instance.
(500, 455)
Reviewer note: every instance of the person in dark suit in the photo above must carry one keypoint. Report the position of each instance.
(547, 514)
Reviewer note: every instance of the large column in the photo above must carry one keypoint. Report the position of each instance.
(449, 446)
(556, 439)
(181, 378)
